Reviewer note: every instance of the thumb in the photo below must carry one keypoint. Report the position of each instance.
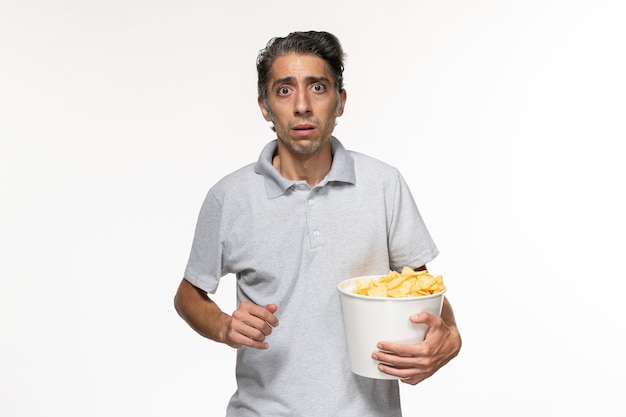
(272, 308)
(421, 317)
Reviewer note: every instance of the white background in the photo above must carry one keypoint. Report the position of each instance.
(505, 117)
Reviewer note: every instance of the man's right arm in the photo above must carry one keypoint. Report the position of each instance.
(200, 312)
(248, 326)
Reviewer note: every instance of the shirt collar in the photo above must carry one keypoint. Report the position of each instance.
(341, 170)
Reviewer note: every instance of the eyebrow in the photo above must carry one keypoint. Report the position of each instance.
(310, 79)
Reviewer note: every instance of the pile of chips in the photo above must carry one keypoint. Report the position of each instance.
(408, 283)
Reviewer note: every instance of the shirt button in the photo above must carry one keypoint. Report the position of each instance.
(311, 202)
(316, 233)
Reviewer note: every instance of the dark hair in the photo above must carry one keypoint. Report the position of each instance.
(322, 44)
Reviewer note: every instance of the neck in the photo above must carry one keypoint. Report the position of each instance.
(309, 168)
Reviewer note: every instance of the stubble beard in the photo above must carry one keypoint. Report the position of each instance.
(301, 147)
(304, 147)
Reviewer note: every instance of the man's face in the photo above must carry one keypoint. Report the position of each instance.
(302, 103)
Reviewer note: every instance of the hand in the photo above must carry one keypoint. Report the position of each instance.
(414, 363)
(250, 324)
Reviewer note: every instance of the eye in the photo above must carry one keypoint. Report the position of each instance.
(283, 91)
(319, 88)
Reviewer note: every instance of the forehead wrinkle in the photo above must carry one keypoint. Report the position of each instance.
(310, 80)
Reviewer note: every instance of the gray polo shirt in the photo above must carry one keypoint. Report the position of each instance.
(289, 244)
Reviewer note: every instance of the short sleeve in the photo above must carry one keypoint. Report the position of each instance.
(204, 267)
(410, 243)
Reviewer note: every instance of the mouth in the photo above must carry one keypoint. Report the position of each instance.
(303, 129)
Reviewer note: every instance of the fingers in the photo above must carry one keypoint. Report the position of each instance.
(272, 308)
(408, 362)
(413, 363)
(410, 376)
(434, 325)
(424, 318)
(251, 324)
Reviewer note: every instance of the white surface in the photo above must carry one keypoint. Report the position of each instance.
(369, 320)
(506, 118)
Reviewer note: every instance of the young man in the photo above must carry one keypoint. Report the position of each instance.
(307, 215)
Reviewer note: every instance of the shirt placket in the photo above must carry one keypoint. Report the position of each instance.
(314, 221)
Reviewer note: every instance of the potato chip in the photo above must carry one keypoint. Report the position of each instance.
(408, 283)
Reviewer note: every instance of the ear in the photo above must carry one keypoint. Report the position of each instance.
(342, 102)
(264, 111)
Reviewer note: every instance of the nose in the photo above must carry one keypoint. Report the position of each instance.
(302, 104)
